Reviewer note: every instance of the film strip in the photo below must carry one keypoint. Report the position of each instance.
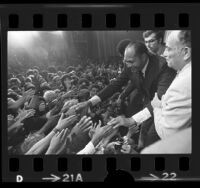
(97, 17)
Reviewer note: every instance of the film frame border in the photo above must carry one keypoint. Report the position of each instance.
(75, 17)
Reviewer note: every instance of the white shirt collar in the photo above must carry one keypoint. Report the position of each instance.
(185, 67)
(145, 67)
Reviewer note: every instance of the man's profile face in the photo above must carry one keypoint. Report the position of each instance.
(172, 51)
(152, 43)
(131, 59)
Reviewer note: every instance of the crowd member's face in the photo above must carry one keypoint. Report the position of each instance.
(93, 91)
(42, 107)
(175, 52)
(152, 43)
(16, 89)
(131, 59)
(100, 84)
(57, 81)
(67, 82)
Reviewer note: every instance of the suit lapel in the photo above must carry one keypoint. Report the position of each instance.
(151, 72)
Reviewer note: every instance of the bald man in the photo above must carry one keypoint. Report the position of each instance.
(148, 74)
(173, 112)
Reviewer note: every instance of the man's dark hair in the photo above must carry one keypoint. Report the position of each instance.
(139, 48)
(121, 46)
(159, 34)
(185, 37)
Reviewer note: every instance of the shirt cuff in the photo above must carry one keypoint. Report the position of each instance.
(95, 100)
(142, 116)
(89, 149)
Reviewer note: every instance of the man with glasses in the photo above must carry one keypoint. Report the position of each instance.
(172, 113)
(154, 41)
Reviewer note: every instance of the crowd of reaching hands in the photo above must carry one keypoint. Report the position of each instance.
(43, 116)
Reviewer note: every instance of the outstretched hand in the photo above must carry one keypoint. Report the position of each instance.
(80, 107)
(58, 142)
(100, 133)
(69, 104)
(82, 126)
(24, 114)
(28, 94)
(122, 121)
(65, 122)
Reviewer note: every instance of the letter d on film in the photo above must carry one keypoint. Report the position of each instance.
(19, 178)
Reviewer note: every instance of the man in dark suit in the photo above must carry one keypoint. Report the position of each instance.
(147, 73)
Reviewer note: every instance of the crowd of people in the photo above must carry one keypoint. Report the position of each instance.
(130, 106)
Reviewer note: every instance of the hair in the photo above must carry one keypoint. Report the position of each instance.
(74, 80)
(159, 34)
(83, 94)
(51, 69)
(63, 79)
(121, 46)
(44, 74)
(94, 86)
(15, 80)
(36, 67)
(139, 48)
(35, 71)
(185, 37)
(55, 78)
(45, 86)
(28, 86)
(29, 72)
(82, 80)
(13, 95)
(28, 79)
(69, 69)
(49, 95)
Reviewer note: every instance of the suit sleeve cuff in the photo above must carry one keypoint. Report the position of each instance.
(95, 100)
(89, 149)
(142, 116)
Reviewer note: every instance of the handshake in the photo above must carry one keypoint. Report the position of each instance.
(115, 122)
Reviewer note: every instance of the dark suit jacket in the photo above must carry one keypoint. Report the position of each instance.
(158, 77)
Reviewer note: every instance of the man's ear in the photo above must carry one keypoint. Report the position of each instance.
(187, 53)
